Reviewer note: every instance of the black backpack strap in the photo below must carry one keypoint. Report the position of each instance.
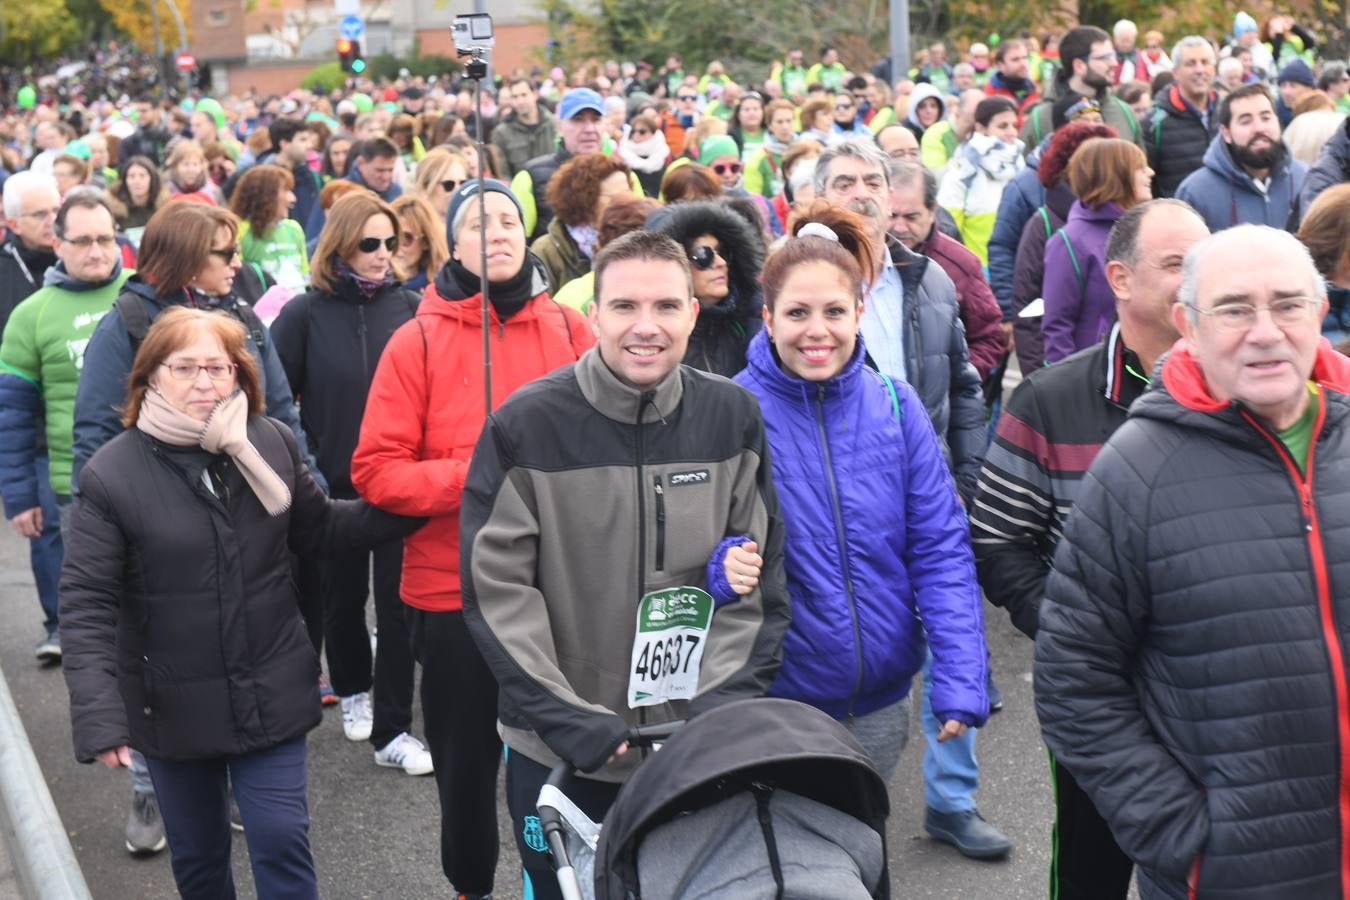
(134, 318)
(243, 310)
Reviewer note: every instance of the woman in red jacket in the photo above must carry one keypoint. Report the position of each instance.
(423, 416)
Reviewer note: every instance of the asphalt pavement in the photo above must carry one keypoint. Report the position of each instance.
(375, 830)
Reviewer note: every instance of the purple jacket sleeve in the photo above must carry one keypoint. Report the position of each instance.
(941, 567)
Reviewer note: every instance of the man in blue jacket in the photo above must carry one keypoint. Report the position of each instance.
(1248, 176)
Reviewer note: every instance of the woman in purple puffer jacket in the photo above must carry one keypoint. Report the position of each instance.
(878, 553)
(1108, 176)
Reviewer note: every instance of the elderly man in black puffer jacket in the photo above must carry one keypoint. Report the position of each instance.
(1190, 667)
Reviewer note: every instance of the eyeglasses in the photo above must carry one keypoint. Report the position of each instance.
(702, 258)
(226, 253)
(724, 168)
(1234, 317)
(409, 238)
(684, 98)
(450, 185)
(842, 106)
(104, 241)
(40, 214)
(371, 244)
(188, 371)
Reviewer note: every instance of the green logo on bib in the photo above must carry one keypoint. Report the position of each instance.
(678, 607)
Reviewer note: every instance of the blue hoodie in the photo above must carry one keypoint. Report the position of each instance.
(1225, 195)
(878, 550)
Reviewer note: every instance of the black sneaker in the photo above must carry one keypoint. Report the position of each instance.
(145, 830)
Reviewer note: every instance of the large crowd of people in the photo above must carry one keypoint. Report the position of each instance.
(748, 346)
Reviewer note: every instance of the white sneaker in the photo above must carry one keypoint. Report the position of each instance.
(407, 753)
(357, 717)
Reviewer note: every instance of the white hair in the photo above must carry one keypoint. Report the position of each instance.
(22, 183)
(1123, 26)
(1191, 40)
(1229, 64)
(1308, 133)
(615, 105)
(1219, 242)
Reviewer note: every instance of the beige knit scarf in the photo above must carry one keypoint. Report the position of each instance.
(225, 431)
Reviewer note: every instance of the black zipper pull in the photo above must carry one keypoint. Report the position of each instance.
(660, 523)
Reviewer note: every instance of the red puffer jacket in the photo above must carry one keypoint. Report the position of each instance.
(425, 410)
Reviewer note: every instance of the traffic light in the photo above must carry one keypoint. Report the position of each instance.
(349, 53)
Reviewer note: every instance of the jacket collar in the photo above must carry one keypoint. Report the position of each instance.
(763, 362)
(1181, 105)
(624, 403)
(1120, 385)
(1183, 379)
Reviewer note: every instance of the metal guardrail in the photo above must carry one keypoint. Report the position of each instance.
(32, 829)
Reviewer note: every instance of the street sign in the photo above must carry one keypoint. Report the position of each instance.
(353, 28)
(185, 62)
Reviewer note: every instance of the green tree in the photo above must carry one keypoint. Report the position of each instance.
(34, 31)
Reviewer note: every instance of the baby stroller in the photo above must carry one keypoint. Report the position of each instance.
(755, 799)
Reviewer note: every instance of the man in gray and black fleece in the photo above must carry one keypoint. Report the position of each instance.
(600, 492)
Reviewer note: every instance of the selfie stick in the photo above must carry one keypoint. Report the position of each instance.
(476, 69)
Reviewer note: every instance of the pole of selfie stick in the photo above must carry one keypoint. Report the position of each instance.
(477, 69)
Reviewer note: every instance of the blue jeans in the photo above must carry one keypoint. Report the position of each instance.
(46, 552)
(951, 774)
(269, 787)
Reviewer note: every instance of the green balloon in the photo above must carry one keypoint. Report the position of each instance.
(212, 108)
(27, 97)
(994, 39)
(363, 102)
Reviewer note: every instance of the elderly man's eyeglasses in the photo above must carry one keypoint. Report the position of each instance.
(188, 371)
(40, 215)
(1287, 312)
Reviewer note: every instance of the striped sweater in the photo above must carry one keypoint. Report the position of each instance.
(1049, 433)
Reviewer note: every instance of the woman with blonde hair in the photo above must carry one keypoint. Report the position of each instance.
(704, 128)
(181, 625)
(186, 174)
(268, 238)
(421, 242)
(330, 340)
(438, 175)
(1108, 176)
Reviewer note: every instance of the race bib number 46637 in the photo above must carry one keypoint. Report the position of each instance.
(672, 627)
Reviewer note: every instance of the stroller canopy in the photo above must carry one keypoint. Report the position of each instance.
(763, 746)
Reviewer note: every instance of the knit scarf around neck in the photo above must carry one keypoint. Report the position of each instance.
(366, 287)
(507, 297)
(225, 431)
(773, 146)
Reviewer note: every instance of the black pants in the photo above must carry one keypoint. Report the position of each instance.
(349, 658)
(1085, 862)
(459, 703)
(524, 778)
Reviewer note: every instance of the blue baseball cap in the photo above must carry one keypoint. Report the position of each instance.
(579, 99)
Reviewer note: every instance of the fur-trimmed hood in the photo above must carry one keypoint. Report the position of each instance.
(686, 222)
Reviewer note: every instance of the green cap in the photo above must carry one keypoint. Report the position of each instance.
(363, 102)
(212, 108)
(713, 147)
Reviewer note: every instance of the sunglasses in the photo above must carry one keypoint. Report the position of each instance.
(687, 97)
(702, 258)
(371, 244)
(640, 132)
(450, 185)
(225, 253)
(723, 168)
(843, 106)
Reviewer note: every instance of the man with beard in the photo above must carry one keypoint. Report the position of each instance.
(1184, 120)
(1248, 176)
(1088, 60)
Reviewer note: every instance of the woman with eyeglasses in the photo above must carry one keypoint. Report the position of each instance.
(330, 340)
(421, 242)
(438, 176)
(425, 410)
(181, 626)
(578, 193)
(644, 150)
(725, 256)
(268, 237)
(720, 155)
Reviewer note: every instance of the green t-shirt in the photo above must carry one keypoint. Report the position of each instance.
(44, 345)
(281, 253)
(1298, 437)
